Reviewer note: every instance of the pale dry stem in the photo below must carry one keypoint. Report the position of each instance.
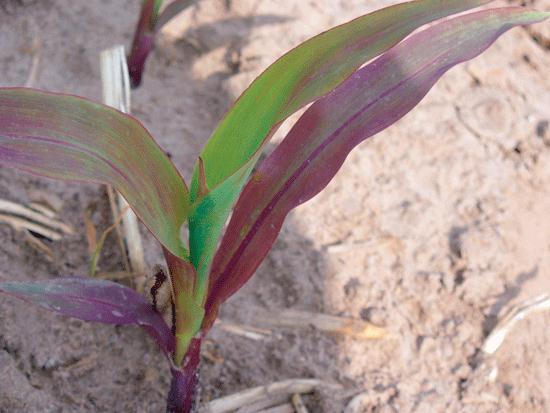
(116, 93)
(284, 388)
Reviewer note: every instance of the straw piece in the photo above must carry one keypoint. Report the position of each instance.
(26, 214)
(235, 401)
(252, 333)
(495, 339)
(266, 403)
(298, 404)
(323, 322)
(116, 93)
(283, 408)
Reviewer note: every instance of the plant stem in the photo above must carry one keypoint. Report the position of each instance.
(183, 396)
(189, 314)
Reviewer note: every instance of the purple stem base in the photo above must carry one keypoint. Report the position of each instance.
(183, 395)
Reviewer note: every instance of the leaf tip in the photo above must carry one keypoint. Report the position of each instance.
(203, 186)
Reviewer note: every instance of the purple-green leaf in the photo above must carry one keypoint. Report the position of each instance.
(369, 101)
(307, 72)
(71, 138)
(94, 300)
(302, 75)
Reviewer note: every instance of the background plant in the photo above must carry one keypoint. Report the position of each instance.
(70, 138)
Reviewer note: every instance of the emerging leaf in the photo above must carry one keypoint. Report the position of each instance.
(151, 20)
(95, 300)
(144, 39)
(71, 138)
(302, 75)
(371, 100)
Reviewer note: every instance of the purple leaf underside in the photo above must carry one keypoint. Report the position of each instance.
(372, 99)
(90, 299)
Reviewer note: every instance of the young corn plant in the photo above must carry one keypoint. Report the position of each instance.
(71, 138)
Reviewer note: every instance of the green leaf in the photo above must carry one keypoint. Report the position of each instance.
(302, 75)
(71, 138)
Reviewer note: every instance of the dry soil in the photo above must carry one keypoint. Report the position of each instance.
(432, 229)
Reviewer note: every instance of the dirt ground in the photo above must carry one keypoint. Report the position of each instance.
(433, 229)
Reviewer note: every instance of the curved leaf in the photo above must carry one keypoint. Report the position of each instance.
(71, 138)
(371, 100)
(89, 299)
(307, 72)
(171, 10)
(302, 75)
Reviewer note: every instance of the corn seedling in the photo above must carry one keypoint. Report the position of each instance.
(71, 138)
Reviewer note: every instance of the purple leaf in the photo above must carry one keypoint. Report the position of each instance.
(369, 101)
(150, 22)
(144, 40)
(94, 300)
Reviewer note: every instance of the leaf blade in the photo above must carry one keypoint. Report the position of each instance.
(90, 299)
(307, 72)
(300, 76)
(70, 138)
(313, 151)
